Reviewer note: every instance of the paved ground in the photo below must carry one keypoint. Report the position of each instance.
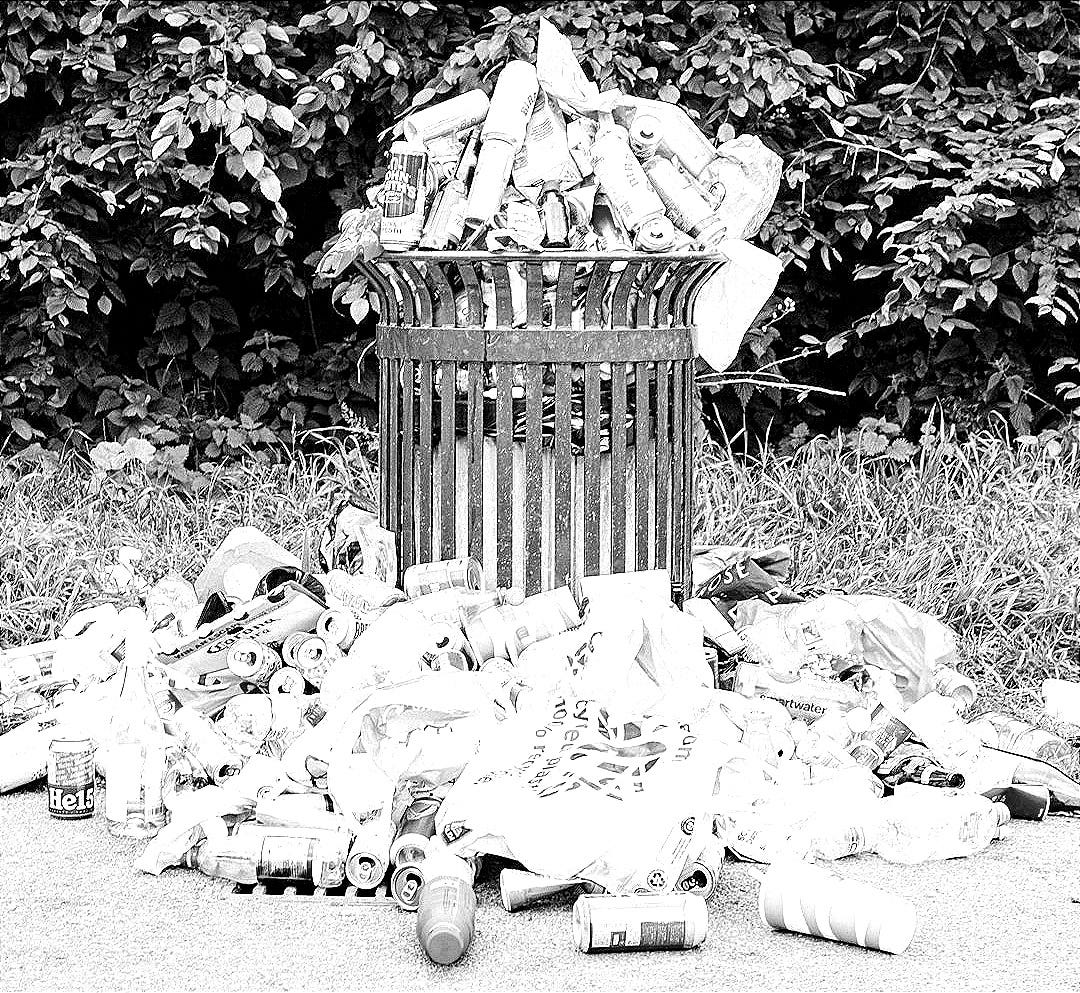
(74, 913)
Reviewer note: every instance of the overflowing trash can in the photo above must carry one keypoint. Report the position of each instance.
(535, 410)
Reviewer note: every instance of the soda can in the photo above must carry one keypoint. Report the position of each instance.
(506, 631)
(417, 827)
(808, 899)
(404, 195)
(701, 875)
(519, 889)
(645, 136)
(338, 627)
(70, 778)
(406, 884)
(369, 856)
(657, 922)
(428, 577)
(310, 655)
(450, 116)
(253, 661)
(623, 180)
(287, 680)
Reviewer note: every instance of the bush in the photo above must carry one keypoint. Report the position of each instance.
(170, 170)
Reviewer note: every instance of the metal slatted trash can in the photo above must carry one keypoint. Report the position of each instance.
(535, 410)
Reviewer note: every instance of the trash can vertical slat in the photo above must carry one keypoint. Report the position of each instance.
(474, 414)
(564, 294)
(385, 461)
(594, 295)
(687, 505)
(443, 297)
(663, 462)
(504, 305)
(421, 294)
(534, 477)
(406, 556)
(395, 443)
(426, 445)
(473, 294)
(592, 469)
(618, 466)
(534, 294)
(620, 299)
(504, 428)
(447, 448)
(562, 469)
(679, 494)
(641, 464)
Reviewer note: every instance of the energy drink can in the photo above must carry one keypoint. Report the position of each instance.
(70, 778)
(404, 196)
(253, 661)
(428, 577)
(639, 923)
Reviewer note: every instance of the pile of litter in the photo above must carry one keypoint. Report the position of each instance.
(550, 164)
(275, 725)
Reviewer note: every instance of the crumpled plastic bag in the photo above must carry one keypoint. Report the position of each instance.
(731, 299)
(727, 574)
(634, 647)
(573, 789)
(850, 632)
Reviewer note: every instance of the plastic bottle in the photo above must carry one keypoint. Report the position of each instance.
(446, 919)
(1024, 739)
(922, 824)
(257, 854)
(135, 748)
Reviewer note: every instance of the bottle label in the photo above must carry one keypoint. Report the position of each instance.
(286, 858)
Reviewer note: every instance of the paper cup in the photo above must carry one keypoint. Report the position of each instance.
(807, 899)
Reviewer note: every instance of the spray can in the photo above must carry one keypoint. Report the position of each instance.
(639, 923)
(428, 577)
(253, 661)
(684, 201)
(404, 197)
(446, 918)
(448, 117)
(629, 191)
(503, 134)
(70, 778)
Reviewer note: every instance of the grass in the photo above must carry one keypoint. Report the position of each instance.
(981, 534)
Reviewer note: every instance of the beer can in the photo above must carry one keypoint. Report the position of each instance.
(506, 631)
(623, 180)
(645, 136)
(524, 889)
(674, 921)
(885, 734)
(449, 116)
(406, 884)
(404, 196)
(70, 778)
(339, 627)
(417, 826)
(684, 202)
(287, 680)
(253, 661)
(701, 874)
(428, 577)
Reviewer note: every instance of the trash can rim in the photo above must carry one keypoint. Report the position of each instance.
(552, 255)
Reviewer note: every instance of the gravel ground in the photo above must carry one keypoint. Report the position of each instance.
(76, 914)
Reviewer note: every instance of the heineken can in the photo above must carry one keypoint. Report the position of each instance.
(70, 778)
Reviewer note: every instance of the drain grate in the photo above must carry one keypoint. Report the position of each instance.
(344, 895)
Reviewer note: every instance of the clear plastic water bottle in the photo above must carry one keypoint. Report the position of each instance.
(924, 823)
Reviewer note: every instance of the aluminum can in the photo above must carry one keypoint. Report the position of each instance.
(287, 680)
(417, 826)
(685, 203)
(253, 661)
(70, 778)
(311, 656)
(623, 180)
(885, 734)
(639, 923)
(456, 114)
(506, 631)
(338, 626)
(404, 196)
(428, 577)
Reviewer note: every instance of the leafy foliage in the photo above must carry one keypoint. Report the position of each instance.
(168, 172)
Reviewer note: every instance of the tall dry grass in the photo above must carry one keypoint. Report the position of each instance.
(983, 535)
